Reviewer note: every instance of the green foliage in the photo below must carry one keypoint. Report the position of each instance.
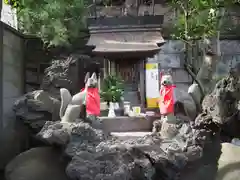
(112, 89)
(13, 3)
(56, 22)
(197, 19)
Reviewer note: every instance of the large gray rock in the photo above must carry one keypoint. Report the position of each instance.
(55, 133)
(115, 164)
(229, 162)
(191, 152)
(222, 103)
(62, 73)
(79, 132)
(44, 163)
(135, 158)
(37, 107)
(186, 99)
(13, 142)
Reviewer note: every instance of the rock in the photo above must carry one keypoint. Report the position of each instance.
(205, 167)
(232, 127)
(222, 103)
(61, 73)
(77, 134)
(229, 162)
(43, 163)
(168, 129)
(51, 104)
(187, 101)
(115, 164)
(13, 142)
(37, 107)
(222, 106)
(157, 126)
(55, 133)
(84, 138)
(156, 157)
(190, 150)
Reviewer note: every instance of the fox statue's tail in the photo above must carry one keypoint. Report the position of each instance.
(65, 100)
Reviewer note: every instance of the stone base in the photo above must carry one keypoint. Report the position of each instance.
(129, 135)
(127, 124)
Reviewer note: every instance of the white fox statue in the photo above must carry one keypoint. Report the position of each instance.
(71, 105)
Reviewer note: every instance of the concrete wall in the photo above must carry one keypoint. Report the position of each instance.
(171, 57)
(13, 140)
(230, 57)
(13, 76)
(116, 11)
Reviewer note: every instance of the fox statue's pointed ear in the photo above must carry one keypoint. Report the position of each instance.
(87, 77)
(94, 76)
(170, 71)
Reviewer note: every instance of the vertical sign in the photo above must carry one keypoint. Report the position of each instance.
(152, 85)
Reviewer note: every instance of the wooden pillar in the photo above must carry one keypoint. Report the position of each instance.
(112, 67)
(142, 83)
(105, 68)
(1, 72)
(99, 81)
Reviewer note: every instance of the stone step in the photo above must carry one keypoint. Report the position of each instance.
(127, 124)
(129, 135)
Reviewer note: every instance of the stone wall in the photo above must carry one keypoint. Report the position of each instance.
(171, 57)
(230, 57)
(13, 139)
(116, 11)
(13, 76)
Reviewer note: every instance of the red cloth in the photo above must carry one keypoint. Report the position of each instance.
(166, 102)
(92, 101)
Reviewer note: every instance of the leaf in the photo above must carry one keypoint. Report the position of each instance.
(112, 89)
(63, 20)
(197, 18)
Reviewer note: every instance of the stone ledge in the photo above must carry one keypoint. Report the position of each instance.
(128, 135)
(128, 124)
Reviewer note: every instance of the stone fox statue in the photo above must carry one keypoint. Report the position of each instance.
(180, 97)
(71, 105)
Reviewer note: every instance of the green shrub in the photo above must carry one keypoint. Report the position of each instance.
(112, 89)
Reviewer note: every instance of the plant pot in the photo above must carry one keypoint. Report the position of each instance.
(116, 105)
(104, 112)
(119, 112)
(111, 112)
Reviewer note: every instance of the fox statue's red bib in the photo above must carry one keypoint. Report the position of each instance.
(166, 101)
(92, 101)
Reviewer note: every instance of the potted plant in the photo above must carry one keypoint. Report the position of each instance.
(112, 91)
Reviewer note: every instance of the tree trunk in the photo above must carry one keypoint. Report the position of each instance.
(206, 72)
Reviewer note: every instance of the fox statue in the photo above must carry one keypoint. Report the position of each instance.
(71, 105)
(180, 97)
